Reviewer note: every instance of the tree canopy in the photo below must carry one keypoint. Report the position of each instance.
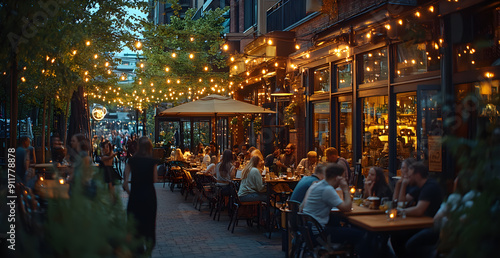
(60, 45)
(183, 60)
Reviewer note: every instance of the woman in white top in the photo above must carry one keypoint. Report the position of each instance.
(178, 155)
(207, 158)
(252, 187)
(225, 171)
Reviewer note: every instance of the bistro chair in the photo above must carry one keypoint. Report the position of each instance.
(278, 201)
(294, 222)
(174, 174)
(243, 210)
(206, 190)
(188, 183)
(317, 243)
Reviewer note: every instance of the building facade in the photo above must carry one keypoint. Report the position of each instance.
(379, 80)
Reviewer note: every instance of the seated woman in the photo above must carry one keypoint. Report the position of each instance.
(224, 171)
(207, 159)
(252, 188)
(178, 156)
(376, 184)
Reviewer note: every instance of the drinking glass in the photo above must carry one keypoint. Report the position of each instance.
(385, 204)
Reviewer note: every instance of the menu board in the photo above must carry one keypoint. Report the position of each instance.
(435, 153)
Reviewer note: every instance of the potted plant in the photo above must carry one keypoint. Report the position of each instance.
(290, 113)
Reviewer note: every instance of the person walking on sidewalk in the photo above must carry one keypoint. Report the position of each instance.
(142, 203)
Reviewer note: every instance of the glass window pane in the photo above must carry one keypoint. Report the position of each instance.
(479, 47)
(375, 126)
(201, 133)
(322, 80)
(432, 131)
(168, 131)
(374, 66)
(346, 130)
(416, 58)
(406, 119)
(344, 75)
(186, 139)
(321, 127)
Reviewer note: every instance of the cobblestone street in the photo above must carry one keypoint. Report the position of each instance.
(182, 231)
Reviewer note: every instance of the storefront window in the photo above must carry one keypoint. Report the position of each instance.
(170, 132)
(483, 50)
(322, 80)
(375, 126)
(346, 130)
(374, 66)
(406, 119)
(201, 133)
(321, 127)
(416, 58)
(344, 75)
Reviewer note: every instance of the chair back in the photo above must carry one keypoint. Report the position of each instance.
(233, 193)
(308, 228)
(293, 218)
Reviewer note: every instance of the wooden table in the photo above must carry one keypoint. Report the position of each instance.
(379, 223)
(49, 189)
(50, 168)
(359, 211)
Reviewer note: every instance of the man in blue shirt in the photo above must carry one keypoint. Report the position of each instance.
(300, 190)
(322, 197)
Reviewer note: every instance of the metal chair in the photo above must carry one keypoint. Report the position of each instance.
(294, 222)
(317, 243)
(243, 210)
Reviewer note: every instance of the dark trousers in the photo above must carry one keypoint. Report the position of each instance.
(423, 243)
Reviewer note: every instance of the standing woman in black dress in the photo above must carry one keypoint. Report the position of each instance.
(142, 195)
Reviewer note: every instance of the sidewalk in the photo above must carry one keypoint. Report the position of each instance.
(182, 231)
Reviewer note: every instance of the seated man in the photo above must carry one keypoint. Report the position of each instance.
(332, 155)
(287, 159)
(307, 165)
(272, 159)
(428, 197)
(322, 197)
(300, 190)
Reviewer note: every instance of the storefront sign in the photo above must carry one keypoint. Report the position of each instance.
(435, 154)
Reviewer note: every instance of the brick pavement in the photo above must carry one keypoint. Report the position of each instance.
(182, 231)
